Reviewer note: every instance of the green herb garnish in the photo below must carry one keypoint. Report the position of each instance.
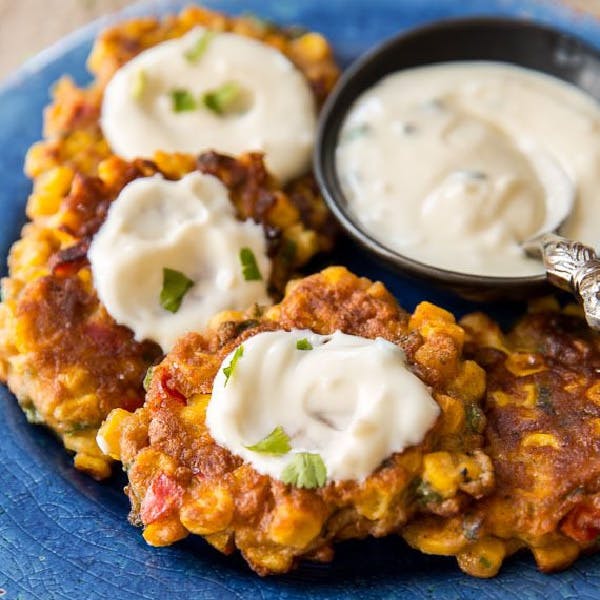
(225, 99)
(474, 418)
(195, 53)
(304, 344)
(305, 470)
(250, 269)
(485, 562)
(148, 378)
(277, 442)
(426, 494)
(174, 288)
(140, 80)
(228, 370)
(183, 100)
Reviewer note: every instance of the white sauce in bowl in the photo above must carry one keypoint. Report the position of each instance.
(454, 164)
(278, 116)
(188, 226)
(352, 400)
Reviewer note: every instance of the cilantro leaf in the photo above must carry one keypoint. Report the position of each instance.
(305, 470)
(277, 442)
(228, 370)
(228, 98)
(304, 344)
(140, 80)
(195, 53)
(174, 288)
(148, 378)
(250, 269)
(183, 100)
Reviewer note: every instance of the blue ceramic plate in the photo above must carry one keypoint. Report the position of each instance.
(63, 535)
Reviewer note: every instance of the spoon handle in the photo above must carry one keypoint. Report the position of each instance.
(575, 268)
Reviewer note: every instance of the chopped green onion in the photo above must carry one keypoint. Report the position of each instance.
(305, 470)
(148, 378)
(304, 344)
(225, 99)
(195, 53)
(250, 269)
(140, 80)
(228, 370)
(183, 100)
(174, 288)
(277, 442)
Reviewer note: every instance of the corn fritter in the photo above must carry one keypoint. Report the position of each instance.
(181, 481)
(63, 356)
(543, 435)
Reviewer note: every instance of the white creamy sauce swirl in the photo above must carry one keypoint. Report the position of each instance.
(279, 118)
(352, 400)
(456, 164)
(188, 226)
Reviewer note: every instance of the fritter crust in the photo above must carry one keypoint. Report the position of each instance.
(181, 481)
(72, 135)
(63, 356)
(543, 435)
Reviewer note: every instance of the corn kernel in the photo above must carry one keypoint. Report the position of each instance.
(469, 383)
(266, 560)
(524, 363)
(164, 532)
(454, 414)
(294, 525)
(97, 467)
(557, 555)
(540, 439)
(312, 46)
(440, 472)
(483, 558)
(442, 541)
(109, 434)
(207, 510)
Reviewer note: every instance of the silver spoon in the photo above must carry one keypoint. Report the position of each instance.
(575, 268)
(570, 265)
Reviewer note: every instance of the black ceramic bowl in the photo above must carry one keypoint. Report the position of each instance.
(522, 43)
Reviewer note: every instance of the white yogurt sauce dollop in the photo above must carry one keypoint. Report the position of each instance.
(455, 164)
(279, 118)
(352, 400)
(188, 226)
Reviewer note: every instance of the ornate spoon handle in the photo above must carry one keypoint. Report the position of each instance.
(575, 268)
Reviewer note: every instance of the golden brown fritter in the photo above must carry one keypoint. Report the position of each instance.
(543, 435)
(72, 136)
(181, 481)
(63, 356)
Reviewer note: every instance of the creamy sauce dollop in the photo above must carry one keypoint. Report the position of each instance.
(278, 117)
(456, 164)
(352, 400)
(188, 226)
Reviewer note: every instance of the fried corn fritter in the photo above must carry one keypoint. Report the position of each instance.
(64, 357)
(181, 481)
(73, 140)
(543, 435)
